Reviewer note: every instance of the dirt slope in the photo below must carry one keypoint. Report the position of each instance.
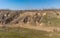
(29, 18)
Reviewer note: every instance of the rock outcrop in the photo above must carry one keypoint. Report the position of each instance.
(27, 16)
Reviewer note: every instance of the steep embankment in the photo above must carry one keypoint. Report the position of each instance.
(47, 20)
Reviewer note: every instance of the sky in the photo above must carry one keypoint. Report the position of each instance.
(29, 4)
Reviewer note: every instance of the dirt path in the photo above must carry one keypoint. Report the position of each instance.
(38, 27)
(48, 29)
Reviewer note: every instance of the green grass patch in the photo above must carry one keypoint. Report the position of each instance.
(51, 21)
(28, 33)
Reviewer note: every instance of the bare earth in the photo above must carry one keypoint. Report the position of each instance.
(43, 28)
(38, 27)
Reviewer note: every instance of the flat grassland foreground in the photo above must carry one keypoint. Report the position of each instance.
(27, 33)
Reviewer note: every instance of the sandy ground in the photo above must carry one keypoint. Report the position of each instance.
(43, 28)
(38, 27)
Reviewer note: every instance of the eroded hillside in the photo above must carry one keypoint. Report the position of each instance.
(50, 17)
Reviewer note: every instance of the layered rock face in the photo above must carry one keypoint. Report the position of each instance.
(27, 16)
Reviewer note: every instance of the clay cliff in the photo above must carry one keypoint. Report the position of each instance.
(29, 16)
